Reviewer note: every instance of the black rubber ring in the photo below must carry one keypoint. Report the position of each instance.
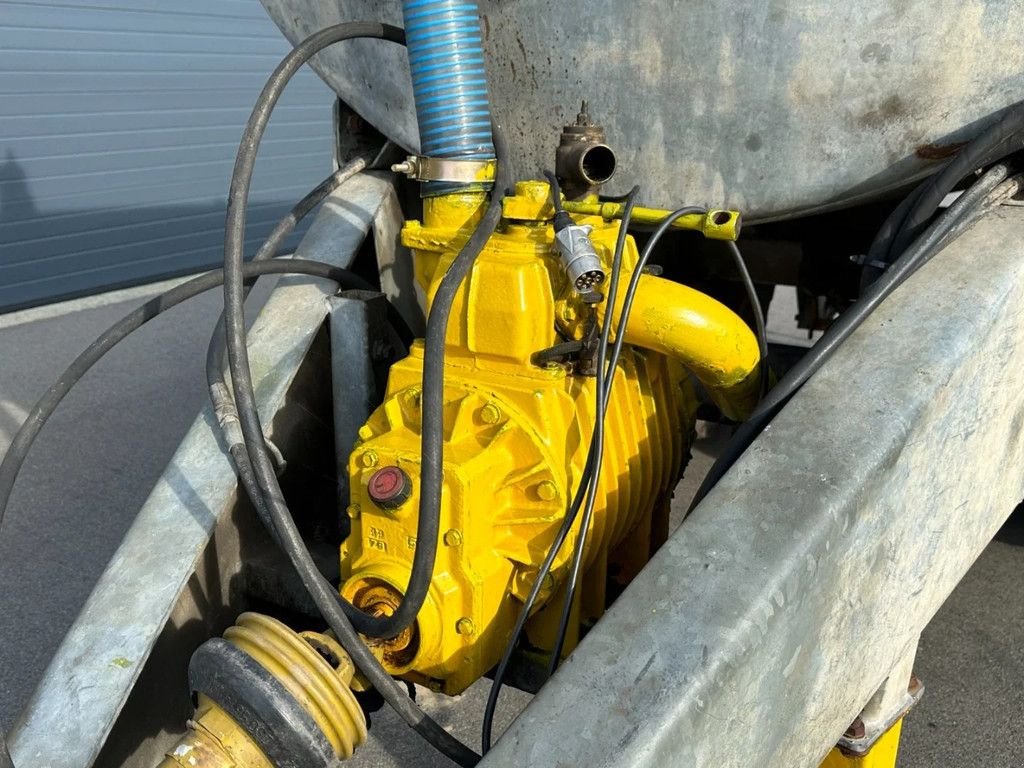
(254, 698)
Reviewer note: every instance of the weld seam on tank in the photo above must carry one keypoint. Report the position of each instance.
(446, 61)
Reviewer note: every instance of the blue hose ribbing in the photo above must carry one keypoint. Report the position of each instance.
(446, 57)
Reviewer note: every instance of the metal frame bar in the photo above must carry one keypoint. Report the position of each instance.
(774, 614)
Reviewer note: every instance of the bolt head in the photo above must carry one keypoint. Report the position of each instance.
(369, 459)
(490, 414)
(465, 626)
(452, 538)
(547, 491)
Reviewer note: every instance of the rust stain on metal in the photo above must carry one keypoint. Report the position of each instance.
(939, 151)
(522, 48)
(856, 729)
(889, 111)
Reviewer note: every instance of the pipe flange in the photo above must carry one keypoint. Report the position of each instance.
(460, 171)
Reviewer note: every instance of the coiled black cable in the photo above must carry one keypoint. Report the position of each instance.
(234, 289)
(341, 615)
(47, 404)
(432, 433)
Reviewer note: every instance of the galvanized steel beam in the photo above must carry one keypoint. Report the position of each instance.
(776, 611)
(151, 589)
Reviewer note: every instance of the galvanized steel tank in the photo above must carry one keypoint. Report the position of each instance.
(775, 107)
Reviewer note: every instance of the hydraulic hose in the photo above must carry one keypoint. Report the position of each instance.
(911, 217)
(341, 616)
(449, 81)
(986, 193)
(259, 454)
(223, 404)
(234, 289)
(995, 142)
(47, 404)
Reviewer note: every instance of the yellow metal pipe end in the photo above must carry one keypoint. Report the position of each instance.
(710, 340)
(715, 224)
(215, 740)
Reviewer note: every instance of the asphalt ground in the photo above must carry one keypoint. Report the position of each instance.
(96, 461)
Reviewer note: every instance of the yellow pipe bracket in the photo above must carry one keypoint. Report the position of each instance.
(716, 224)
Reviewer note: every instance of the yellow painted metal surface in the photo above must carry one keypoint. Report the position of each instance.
(215, 740)
(707, 337)
(881, 755)
(516, 438)
(299, 663)
(716, 224)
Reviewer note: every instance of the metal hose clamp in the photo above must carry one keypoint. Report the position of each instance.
(463, 171)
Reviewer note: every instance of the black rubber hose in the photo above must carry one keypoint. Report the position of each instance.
(605, 377)
(316, 583)
(336, 612)
(976, 201)
(432, 432)
(994, 143)
(760, 330)
(910, 219)
(234, 289)
(45, 406)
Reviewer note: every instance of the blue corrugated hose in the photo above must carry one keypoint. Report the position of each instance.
(449, 80)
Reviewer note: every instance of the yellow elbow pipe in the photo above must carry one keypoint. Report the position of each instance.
(711, 340)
